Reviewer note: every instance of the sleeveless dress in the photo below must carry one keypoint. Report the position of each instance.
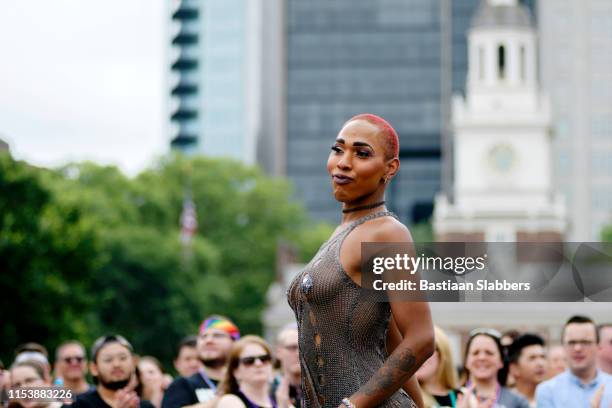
(342, 335)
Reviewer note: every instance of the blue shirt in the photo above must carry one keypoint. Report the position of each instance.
(566, 390)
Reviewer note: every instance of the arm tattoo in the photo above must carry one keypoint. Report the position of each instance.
(396, 370)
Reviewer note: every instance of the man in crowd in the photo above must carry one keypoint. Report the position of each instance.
(215, 339)
(71, 367)
(527, 364)
(187, 362)
(113, 368)
(288, 385)
(604, 348)
(557, 361)
(582, 385)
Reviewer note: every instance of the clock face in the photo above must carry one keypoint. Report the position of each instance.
(501, 158)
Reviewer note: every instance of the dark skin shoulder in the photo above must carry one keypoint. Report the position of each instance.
(410, 335)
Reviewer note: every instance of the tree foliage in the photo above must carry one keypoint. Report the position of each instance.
(85, 250)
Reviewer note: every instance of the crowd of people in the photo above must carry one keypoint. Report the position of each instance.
(219, 368)
(216, 368)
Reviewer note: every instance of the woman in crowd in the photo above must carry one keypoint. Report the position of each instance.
(438, 375)
(247, 382)
(28, 375)
(345, 357)
(486, 372)
(153, 380)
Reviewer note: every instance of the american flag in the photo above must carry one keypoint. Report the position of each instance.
(189, 221)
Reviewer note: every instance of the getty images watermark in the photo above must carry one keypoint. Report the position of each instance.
(476, 272)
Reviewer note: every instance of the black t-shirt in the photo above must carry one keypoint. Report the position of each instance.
(247, 403)
(91, 399)
(188, 391)
(447, 400)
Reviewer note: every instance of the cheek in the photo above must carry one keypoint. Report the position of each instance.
(331, 163)
(370, 169)
(239, 374)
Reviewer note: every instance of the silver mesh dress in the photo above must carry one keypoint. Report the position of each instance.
(342, 335)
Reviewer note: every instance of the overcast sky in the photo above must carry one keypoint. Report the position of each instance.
(83, 80)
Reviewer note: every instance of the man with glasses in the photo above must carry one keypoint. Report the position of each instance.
(215, 339)
(582, 384)
(287, 386)
(113, 369)
(71, 367)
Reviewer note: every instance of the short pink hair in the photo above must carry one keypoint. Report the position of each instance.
(386, 131)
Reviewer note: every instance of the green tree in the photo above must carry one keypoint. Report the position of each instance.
(606, 234)
(45, 252)
(86, 250)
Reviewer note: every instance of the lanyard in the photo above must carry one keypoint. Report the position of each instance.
(207, 380)
(497, 393)
(453, 398)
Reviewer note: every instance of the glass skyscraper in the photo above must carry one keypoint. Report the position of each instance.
(400, 59)
(350, 56)
(215, 77)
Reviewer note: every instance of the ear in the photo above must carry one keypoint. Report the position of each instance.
(513, 369)
(93, 369)
(392, 167)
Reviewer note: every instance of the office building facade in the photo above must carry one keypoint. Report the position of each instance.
(350, 56)
(215, 77)
(576, 54)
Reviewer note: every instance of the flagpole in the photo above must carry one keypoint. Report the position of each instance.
(188, 223)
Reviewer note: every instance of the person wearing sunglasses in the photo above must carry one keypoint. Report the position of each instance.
(247, 382)
(486, 373)
(288, 383)
(71, 367)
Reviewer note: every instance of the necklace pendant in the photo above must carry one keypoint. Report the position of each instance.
(306, 283)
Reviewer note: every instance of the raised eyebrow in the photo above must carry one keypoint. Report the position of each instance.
(356, 144)
(362, 144)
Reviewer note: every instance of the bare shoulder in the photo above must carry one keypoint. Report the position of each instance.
(387, 229)
(230, 401)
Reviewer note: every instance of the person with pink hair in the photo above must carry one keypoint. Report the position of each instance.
(216, 337)
(356, 351)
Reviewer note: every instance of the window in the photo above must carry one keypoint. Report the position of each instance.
(501, 61)
(522, 62)
(481, 63)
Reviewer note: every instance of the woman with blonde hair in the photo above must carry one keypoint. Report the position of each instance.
(153, 379)
(248, 379)
(438, 376)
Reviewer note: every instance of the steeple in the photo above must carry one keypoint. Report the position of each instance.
(502, 47)
(501, 138)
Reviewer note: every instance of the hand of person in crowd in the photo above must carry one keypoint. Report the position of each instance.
(282, 393)
(468, 400)
(127, 398)
(596, 400)
(167, 380)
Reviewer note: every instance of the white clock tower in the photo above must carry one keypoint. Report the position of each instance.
(501, 138)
